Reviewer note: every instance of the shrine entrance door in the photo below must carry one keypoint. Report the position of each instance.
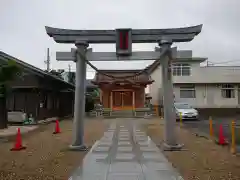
(122, 99)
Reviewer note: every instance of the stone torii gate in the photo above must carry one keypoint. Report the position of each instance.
(123, 39)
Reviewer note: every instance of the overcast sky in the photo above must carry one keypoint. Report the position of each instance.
(22, 32)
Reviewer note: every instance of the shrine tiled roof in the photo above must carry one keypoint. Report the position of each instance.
(143, 78)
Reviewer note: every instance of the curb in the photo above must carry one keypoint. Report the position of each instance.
(11, 136)
(47, 121)
(39, 125)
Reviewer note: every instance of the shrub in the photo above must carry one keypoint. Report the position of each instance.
(89, 104)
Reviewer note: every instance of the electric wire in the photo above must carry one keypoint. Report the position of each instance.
(213, 63)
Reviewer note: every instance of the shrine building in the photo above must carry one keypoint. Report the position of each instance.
(120, 93)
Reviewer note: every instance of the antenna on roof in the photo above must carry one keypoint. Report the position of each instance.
(48, 60)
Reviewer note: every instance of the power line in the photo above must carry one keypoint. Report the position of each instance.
(224, 62)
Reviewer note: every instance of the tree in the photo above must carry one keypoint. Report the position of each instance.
(90, 100)
(56, 73)
(89, 103)
(8, 72)
(95, 93)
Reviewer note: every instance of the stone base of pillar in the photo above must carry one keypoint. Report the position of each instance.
(177, 147)
(78, 148)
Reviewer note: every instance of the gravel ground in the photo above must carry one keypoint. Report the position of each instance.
(47, 156)
(201, 159)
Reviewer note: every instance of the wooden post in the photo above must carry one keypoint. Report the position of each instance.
(233, 146)
(133, 99)
(210, 127)
(122, 99)
(157, 110)
(101, 96)
(162, 113)
(180, 119)
(111, 100)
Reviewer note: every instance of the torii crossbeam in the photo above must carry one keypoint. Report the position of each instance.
(109, 36)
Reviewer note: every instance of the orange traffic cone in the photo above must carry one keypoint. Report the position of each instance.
(18, 144)
(57, 128)
(221, 138)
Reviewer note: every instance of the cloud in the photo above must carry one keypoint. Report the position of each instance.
(23, 35)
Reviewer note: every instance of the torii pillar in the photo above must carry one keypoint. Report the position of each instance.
(79, 105)
(170, 140)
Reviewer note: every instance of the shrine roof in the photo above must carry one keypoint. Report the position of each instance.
(143, 78)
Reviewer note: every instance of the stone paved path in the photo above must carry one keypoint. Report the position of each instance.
(125, 153)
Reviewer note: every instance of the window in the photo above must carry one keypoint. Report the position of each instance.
(187, 91)
(181, 69)
(182, 106)
(228, 91)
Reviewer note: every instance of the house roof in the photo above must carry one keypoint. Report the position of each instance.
(70, 77)
(30, 68)
(182, 56)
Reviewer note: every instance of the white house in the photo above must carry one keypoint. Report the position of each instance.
(202, 87)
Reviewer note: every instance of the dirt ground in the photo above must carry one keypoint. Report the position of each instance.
(202, 159)
(47, 156)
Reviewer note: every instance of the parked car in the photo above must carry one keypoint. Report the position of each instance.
(186, 110)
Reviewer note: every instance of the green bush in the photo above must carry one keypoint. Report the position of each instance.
(89, 104)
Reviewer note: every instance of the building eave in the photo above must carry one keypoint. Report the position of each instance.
(30, 68)
(193, 59)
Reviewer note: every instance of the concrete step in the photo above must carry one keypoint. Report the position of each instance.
(122, 113)
(126, 113)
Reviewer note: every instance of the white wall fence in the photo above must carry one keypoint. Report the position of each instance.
(210, 96)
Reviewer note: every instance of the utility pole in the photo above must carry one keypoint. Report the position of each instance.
(69, 73)
(48, 60)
